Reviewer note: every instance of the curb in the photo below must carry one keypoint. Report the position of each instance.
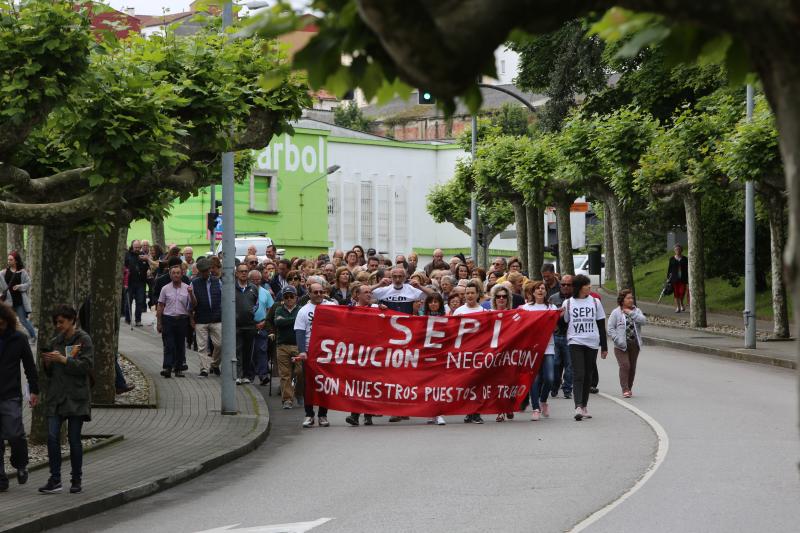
(170, 479)
(152, 393)
(107, 441)
(739, 355)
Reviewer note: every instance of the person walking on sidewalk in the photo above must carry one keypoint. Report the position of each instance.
(624, 326)
(302, 331)
(261, 339)
(678, 275)
(14, 349)
(206, 297)
(246, 307)
(282, 326)
(68, 395)
(586, 332)
(18, 283)
(138, 265)
(174, 309)
(563, 362)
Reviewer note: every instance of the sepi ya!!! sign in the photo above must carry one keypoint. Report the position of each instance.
(365, 360)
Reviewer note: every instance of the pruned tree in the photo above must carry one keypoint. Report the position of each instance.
(96, 135)
(680, 163)
(751, 152)
(450, 202)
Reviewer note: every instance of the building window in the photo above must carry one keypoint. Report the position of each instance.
(263, 192)
(502, 66)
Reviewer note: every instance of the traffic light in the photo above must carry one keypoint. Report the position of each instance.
(211, 220)
(426, 97)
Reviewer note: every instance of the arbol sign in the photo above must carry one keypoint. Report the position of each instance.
(285, 153)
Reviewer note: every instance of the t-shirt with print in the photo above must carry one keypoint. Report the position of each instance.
(401, 299)
(551, 346)
(304, 320)
(581, 317)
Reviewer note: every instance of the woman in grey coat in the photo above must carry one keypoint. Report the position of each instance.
(624, 328)
(17, 283)
(68, 365)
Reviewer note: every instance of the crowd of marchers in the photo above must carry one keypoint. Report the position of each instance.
(276, 299)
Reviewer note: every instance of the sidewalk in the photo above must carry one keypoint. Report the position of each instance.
(777, 353)
(184, 437)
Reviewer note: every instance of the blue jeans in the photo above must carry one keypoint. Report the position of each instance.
(563, 365)
(543, 382)
(74, 425)
(260, 351)
(173, 333)
(23, 319)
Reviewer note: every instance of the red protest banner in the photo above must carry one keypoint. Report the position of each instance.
(364, 360)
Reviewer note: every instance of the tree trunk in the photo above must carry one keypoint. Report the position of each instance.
(104, 298)
(3, 242)
(777, 231)
(622, 252)
(608, 244)
(16, 240)
(540, 229)
(157, 233)
(522, 231)
(697, 269)
(35, 268)
(564, 225)
(59, 248)
(532, 259)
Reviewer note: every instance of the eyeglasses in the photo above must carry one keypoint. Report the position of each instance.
(504, 296)
(292, 279)
(252, 262)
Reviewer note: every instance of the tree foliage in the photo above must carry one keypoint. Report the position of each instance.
(349, 115)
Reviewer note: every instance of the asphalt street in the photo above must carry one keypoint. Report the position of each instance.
(731, 466)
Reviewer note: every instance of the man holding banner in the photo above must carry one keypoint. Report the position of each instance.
(302, 330)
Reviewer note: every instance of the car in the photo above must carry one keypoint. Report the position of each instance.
(245, 241)
(581, 263)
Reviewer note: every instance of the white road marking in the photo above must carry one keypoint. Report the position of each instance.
(294, 527)
(661, 454)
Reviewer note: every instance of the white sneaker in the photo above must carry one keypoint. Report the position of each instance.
(535, 415)
(238, 381)
(440, 421)
(323, 421)
(308, 421)
(578, 414)
(586, 413)
(287, 404)
(246, 381)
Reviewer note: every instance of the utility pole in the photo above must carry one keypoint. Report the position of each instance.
(473, 202)
(750, 249)
(228, 356)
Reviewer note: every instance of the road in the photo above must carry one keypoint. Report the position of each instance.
(731, 466)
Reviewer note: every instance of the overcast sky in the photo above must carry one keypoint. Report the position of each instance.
(153, 7)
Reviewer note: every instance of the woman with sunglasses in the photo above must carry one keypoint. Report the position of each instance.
(536, 300)
(501, 301)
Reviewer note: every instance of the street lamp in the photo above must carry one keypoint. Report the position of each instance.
(330, 170)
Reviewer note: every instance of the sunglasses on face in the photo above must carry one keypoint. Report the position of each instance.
(504, 296)
(293, 279)
(252, 262)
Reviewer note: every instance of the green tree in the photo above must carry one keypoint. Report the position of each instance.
(750, 152)
(350, 116)
(94, 135)
(450, 202)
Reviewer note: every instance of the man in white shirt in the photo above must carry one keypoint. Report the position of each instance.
(398, 295)
(302, 329)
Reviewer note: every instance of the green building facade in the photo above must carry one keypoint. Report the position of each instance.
(283, 198)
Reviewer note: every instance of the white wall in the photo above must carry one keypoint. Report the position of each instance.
(506, 62)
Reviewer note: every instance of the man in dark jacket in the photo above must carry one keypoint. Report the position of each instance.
(207, 316)
(14, 348)
(282, 326)
(246, 305)
(137, 264)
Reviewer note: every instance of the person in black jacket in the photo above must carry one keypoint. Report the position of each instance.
(246, 305)
(678, 276)
(14, 348)
(138, 265)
